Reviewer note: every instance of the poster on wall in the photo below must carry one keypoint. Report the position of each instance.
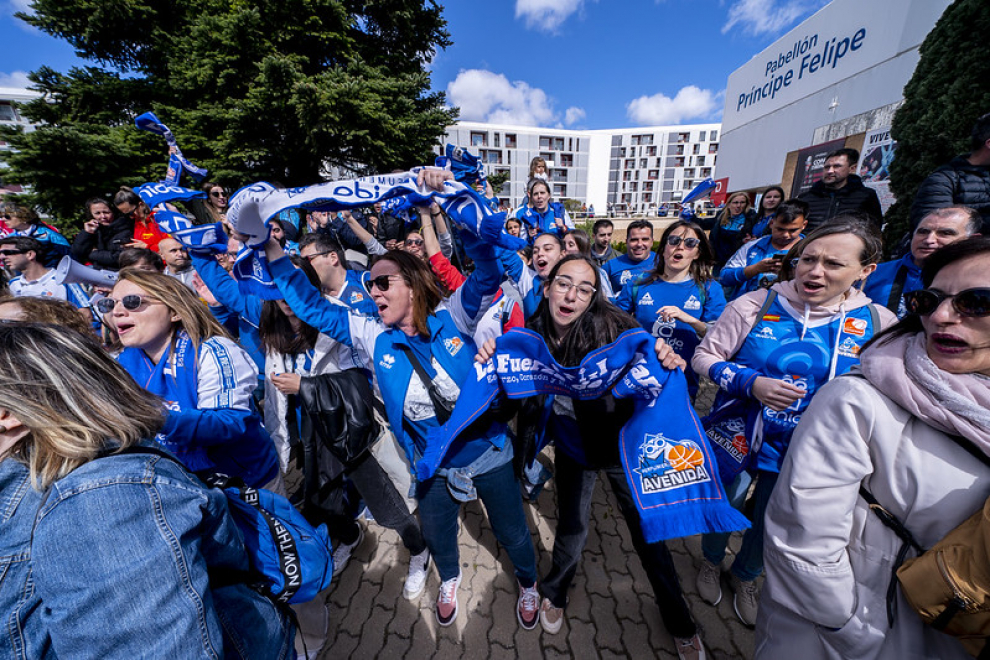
(874, 164)
(810, 163)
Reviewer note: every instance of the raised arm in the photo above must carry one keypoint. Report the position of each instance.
(225, 289)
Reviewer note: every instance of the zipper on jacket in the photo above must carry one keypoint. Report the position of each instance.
(964, 602)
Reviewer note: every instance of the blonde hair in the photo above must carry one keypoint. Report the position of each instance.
(194, 316)
(74, 399)
(723, 218)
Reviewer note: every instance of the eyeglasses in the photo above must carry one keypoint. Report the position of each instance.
(382, 282)
(562, 284)
(131, 303)
(214, 193)
(310, 257)
(689, 243)
(414, 241)
(7, 253)
(971, 302)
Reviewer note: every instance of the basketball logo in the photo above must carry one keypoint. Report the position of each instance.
(682, 457)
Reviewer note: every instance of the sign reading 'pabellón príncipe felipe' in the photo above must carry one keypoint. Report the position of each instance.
(806, 58)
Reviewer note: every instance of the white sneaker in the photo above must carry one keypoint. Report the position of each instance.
(342, 554)
(416, 579)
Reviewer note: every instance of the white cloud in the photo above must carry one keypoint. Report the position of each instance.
(546, 15)
(17, 79)
(758, 17)
(658, 110)
(485, 96)
(573, 115)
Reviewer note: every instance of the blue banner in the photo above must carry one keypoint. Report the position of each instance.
(154, 194)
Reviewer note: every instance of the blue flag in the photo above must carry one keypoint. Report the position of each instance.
(203, 239)
(171, 221)
(668, 463)
(701, 190)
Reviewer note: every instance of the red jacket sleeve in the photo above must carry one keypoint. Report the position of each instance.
(446, 272)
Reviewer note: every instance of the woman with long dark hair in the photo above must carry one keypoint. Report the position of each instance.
(575, 318)
(770, 201)
(678, 299)
(733, 225)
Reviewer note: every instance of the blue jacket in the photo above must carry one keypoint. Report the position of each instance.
(749, 254)
(546, 222)
(407, 405)
(880, 284)
(247, 309)
(119, 568)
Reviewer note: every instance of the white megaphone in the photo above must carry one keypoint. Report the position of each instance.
(70, 271)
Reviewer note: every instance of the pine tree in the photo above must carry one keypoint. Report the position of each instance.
(949, 90)
(276, 90)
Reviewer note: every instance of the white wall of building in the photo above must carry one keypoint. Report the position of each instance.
(775, 102)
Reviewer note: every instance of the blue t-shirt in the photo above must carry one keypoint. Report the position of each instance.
(880, 283)
(644, 301)
(622, 270)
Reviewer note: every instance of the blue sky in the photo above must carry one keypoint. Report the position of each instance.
(561, 63)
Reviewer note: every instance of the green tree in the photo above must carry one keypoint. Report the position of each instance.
(253, 89)
(949, 90)
(497, 180)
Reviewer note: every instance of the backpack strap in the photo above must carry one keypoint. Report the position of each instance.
(440, 407)
(897, 289)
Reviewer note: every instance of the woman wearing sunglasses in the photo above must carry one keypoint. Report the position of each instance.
(678, 299)
(106, 553)
(769, 352)
(146, 232)
(420, 350)
(910, 429)
(175, 349)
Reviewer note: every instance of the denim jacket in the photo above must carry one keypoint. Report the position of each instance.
(118, 568)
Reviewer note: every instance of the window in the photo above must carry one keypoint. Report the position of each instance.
(633, 187)
(714, 136)
(622, 152)
(544, 142)
(679, 151)
(700, 160)
(630, 163)
(688, 184)
(558, 144)
(689, 172)
(479, 139)
(696, 149)
(642, 162)
(648, 198)
(653, 174)
(713, 148)
(627, 176)
(7, 112)
(701, 136)
(567, 160)
(559, 191)
(683, 137)
(496, 136)
(706, 172)
(647, 186)
(651, 151)
(510, 140)
(679, 162)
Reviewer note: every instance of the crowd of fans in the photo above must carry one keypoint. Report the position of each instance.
(840, 371)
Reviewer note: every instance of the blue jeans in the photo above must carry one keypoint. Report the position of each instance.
(498, 490)
(748, 564)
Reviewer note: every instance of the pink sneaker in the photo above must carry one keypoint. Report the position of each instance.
(447, 601)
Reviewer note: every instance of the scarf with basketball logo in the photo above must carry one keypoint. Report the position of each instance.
(666, 458)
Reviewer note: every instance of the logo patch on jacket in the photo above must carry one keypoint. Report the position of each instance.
(453, 345)
(854, 327)
(692, 303)
(356, 297)
(647, 299)
(849, 348)
(387, 361)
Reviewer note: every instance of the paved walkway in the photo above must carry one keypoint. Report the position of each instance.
(611, 614)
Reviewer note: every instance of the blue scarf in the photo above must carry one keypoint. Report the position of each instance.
(154, 194)
(177, 163)
(466, 167)
(178, 387)
(253, 206)
(669, 466)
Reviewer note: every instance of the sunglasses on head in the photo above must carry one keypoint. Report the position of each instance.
(130, 302)
(674, 241)
(970, 302)
(382, 282)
